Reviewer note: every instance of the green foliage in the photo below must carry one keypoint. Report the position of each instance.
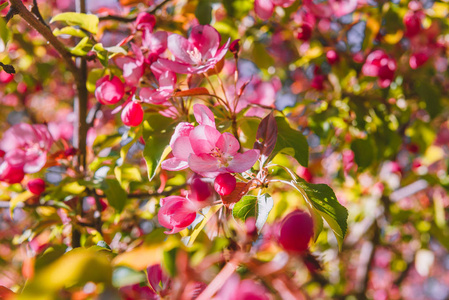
(87, 22)
(115, 194)
(252, 206)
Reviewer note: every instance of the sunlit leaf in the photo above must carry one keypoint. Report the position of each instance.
(88, 22)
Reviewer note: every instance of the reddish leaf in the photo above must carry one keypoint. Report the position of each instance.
(266, 136)
(6, 293)
(198, 91)
(240, 190)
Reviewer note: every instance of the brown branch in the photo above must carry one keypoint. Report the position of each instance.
(131, 19)
(34, 22)
(8, 68)
(10, 14)
(37, 13)
(164, 193)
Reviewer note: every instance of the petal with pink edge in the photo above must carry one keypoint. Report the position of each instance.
(183, 50)
(243, 162)
(203, 139)
(203, 115)
(174, 164)
(176, 67)
(182, 148)
(182, 129)
(35, 165)
(264, 9)
(228, 144)
(204, 164)
(206, 38)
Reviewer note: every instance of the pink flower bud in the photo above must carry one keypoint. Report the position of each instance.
(200, 190)
(332, 57)
(11, 174)
(132, 114)
(176, 213)
(417, 60)
(412, 22)
(5, 77)
(234, 47)
(109, 91)
(145, 20)
(225, 184)
(36, 186)
(296, 230)
(304, 32)
(159, 281)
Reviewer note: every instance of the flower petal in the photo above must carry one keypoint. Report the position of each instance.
(204, 164)
(203, 115)
(243, 162)
(228, 144)
(182, 148)
(182, 49)
(203, 139)
(174, 164)
(206, 38)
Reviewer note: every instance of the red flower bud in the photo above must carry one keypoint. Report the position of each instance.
(305, 32)
(145, 20)
(109, 91)
(235, 47)
(296, 230)
(11, 174)
(132, 114)
(225, 184)
(332, 57)
(36, 186)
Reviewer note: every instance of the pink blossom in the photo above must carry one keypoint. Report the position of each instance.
(336, 8)
(234, 289)
(264, 8)
(201, 191)
(10, 174)
(145, 21)
(379, 64)
(26, 146)
(197, 54)
(160, 95)
(133, 67)
(109, 91)
(158, 280)
(258, 92)
(155, 43)
(418, 59)
(205, 150)
(5, 77)
(176, 213)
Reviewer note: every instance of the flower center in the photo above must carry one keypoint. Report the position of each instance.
(195, 55)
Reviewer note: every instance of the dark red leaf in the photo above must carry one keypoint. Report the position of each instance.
(266, 136)
(198, 91)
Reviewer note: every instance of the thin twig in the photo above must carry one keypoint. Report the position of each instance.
(131, 19)
(37, 13)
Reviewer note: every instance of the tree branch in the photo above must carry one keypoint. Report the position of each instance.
(33, 21)
(37, 13)
(10, 14)
(131, 19)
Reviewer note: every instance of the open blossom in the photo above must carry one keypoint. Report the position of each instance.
(176, 213)
(197, 54)
(265, 8)
(205, 150)
(234, 289)
(26, 146)
(379, 64)
(133, 66)
(155, 43)
(160, 95)
(145, 21)
(326, 9)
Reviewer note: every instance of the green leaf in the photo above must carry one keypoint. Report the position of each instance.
(323, 200)
(252, 206)
(248, 127)
(88, 22)
(92, 78)
(203, 12)
(264, 206)
(431, 95)
(126, 174)
(157, 131)
(196, 231)
(20, 198)
(3, 5)
(115, 194)
(363, 152)
(261, 57)
(123, 276)
(75, 268)
(5, 35)
(82, 48)
(245, 208)
(106, 141)
(69, 30)
(291, 142)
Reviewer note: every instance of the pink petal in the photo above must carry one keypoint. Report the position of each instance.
(182, 148)
(206, 38)
(182, 129)
(203, 115)
(35, 165)
(204, 164)
(174, 164)
(176, 67)
(155, 42)
(203, 139)
(243, 162)
(228, 144)
(167, 81)
(182, 49)
(264, 9)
